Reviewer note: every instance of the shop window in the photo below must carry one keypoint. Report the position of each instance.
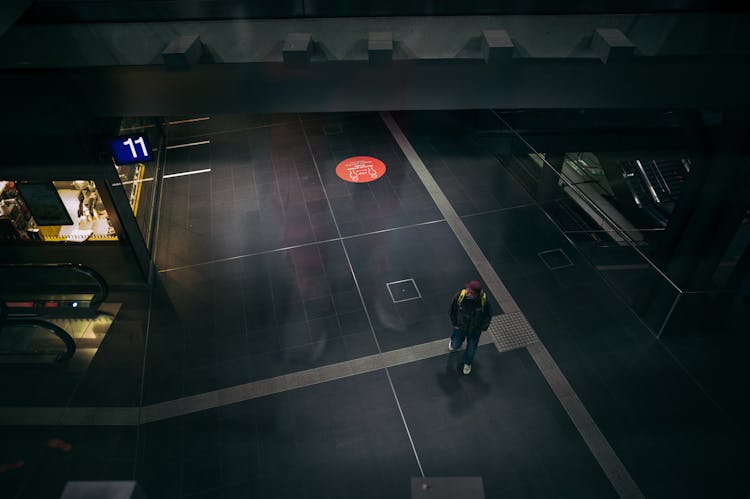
(58, 211)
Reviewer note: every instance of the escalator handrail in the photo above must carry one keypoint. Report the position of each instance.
(103, 287)
(70, 344)
(97, 299)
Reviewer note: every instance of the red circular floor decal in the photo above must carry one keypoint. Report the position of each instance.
(360, 169)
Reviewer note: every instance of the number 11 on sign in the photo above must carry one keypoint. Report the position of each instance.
(132, 144)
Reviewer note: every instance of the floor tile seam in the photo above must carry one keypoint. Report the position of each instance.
(612, 467)
(134, 415)
(238, 130)
(359, 292)
(303, 245)
(246, 255)
(498, 210)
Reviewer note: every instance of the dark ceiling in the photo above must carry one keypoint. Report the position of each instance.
(67, 11)
(55, 89)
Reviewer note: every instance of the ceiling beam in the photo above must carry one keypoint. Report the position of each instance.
(647, 83)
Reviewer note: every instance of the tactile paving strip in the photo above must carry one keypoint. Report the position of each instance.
(510, 331)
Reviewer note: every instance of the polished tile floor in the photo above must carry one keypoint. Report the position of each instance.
(270, 265)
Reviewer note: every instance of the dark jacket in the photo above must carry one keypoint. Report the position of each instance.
(469, 316)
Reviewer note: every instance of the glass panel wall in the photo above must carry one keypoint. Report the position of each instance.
(622, 186)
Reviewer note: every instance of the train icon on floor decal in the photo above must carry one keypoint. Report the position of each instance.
(360, 169)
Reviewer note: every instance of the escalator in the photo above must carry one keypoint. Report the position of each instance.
(655, 185)
(52, 290)
(27, 341)
(37, 299)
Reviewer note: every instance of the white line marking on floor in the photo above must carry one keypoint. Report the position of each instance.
(140, 127)
(194, 172)
(192, 120)
(190, 144)
(286, 248)
(128, 182)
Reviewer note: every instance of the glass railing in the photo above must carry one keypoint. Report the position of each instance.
(615, 203)
(615, 245)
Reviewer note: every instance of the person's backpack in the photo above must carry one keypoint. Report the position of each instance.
(462, 295)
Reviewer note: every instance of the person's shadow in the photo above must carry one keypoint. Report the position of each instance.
(462, 391)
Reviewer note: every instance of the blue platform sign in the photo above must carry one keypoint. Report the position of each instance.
(131, 149)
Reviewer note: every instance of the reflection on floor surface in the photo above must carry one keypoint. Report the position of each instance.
(271, 266)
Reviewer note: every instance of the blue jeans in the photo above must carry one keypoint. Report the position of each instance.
(457, 339)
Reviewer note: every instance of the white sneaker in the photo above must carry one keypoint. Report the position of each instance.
(467, 368)
(450, 346)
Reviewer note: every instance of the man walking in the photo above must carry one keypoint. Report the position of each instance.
(470, 315)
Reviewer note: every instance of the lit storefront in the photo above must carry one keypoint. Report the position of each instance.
(100, 212)
(57, 211)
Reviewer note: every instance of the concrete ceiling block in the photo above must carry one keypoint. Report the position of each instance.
(611, 44)
(380, 47)
(182, 53)
(297, 49)
(496, 45)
